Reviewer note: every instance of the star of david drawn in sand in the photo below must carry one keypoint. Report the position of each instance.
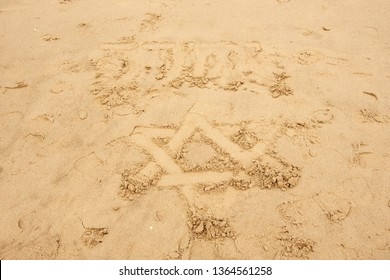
(197, 153)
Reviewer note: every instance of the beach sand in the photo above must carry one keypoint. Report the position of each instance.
(167, 129)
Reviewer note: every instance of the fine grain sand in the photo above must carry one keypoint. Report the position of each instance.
(167, 129)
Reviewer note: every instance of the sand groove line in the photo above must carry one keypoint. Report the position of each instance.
(161, 157)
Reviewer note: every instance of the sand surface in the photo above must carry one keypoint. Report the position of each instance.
(167, 129)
